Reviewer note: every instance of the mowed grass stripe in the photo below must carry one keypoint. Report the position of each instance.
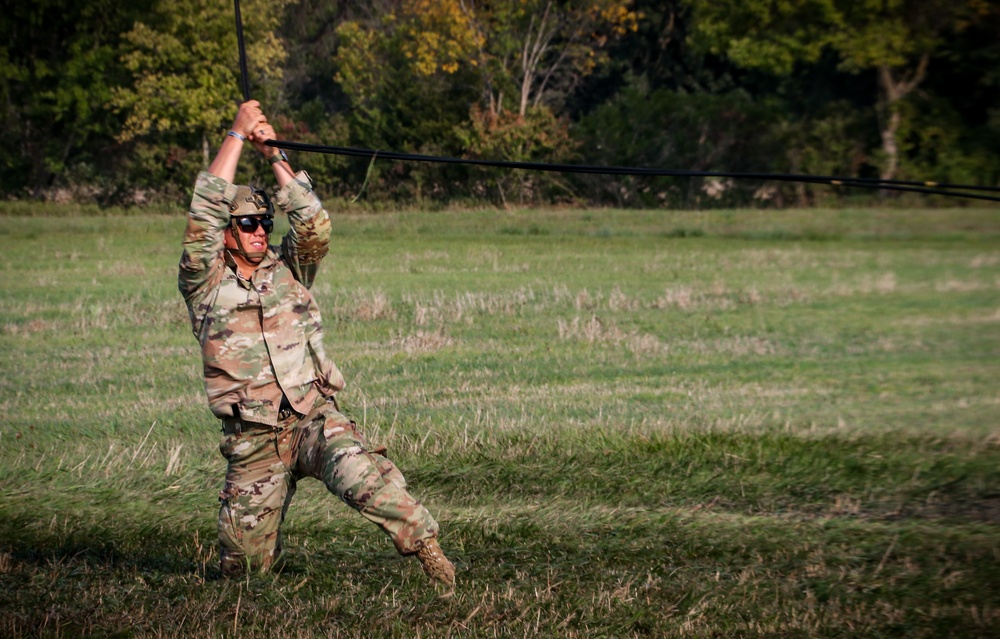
(885, 476)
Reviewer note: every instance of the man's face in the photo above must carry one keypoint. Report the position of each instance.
(253, 232)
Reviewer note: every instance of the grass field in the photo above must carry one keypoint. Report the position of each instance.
(667, 424)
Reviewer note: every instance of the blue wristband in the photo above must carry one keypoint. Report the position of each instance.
(234, 134)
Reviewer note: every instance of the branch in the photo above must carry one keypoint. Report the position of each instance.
(918, 75)
(897, 90)
(572, 40)
(532, 53)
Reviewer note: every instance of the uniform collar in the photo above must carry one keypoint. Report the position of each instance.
(269, 258)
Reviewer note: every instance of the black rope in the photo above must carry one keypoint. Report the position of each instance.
(869, 183)
(927, 188)
(244, 79)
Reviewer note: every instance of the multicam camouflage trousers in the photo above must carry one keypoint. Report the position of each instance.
(266, 462)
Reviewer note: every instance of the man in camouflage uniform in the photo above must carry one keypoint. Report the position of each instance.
(266, 373)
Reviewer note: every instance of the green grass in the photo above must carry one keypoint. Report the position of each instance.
(628, 423)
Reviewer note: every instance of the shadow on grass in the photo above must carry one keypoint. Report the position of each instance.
(104, 547)
(885, 477)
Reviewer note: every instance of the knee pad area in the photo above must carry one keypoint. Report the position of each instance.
(250, 524)
(242, 549)
(357, 476)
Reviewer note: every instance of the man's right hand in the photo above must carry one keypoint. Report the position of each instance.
(249, 118)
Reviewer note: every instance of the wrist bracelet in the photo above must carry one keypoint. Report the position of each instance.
(280, 157)
(234, 134)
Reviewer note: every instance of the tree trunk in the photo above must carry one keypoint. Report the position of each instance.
(525, 92)
(894, 89)
(532, 51)
(889, 144)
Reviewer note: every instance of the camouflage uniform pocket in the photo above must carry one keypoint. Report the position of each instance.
(390, 474)
(378, 450)
(226, 443)
(238, 448)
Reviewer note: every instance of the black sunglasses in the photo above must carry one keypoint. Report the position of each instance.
(249, 224)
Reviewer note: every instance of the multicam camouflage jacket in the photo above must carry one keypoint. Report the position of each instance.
(260, 338)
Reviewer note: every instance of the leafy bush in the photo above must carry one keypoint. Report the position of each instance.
(664, 129)
(538, 136)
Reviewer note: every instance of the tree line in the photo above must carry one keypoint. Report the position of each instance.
(122, 103)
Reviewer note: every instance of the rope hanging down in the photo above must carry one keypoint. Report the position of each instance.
(927, 188)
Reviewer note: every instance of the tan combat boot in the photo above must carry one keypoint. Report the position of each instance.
(435, 564)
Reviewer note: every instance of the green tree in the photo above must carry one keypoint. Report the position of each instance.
(895, 38)
(477, 77)
(538, 51)
(58, 67)
(665, 128)
(183, 59)
(406, 72)
(532, 55)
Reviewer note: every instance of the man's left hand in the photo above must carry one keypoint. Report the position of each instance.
(261, 134)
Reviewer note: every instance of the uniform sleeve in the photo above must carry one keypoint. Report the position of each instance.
(203, 237)
(308, 238)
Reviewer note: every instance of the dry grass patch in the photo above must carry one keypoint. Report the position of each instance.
(422, 341)
(594, 330)
(439, 307)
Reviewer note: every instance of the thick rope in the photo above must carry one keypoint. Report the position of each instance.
(868, 183)
(244, 76)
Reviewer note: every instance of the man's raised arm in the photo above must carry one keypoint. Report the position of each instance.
(209, 212)
(308, 238)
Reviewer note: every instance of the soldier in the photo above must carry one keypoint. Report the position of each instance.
(266, 373)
